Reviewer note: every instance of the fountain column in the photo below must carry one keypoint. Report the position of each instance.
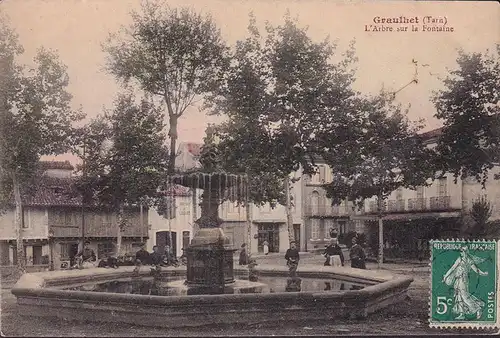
(210, 254)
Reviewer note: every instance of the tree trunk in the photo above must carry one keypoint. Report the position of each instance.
(380, 232)
(289, 216)
(195, 209)
(120, 220)
(172, 133)
(248, 212)
(21, 262)
(141, 221)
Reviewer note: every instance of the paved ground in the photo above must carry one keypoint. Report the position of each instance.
(407, 317)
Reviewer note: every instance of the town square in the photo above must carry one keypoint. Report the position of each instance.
(172, 168)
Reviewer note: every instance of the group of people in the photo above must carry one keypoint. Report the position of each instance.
(335, 257)
(86, 258)
(333, 254)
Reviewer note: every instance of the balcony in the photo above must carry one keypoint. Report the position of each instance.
(416, 204)
(374, 209)
(440, 203)
(326, 211)
(396, 205)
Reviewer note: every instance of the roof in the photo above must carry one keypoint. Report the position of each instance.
(63, 165)
(52, 191)
(192, 148)
(435, 133)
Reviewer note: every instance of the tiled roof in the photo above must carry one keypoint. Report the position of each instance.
(64, 165)
(51, 191)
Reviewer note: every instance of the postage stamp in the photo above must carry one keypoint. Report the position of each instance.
(464, 284)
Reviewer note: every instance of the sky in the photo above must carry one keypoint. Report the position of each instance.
(77, 28)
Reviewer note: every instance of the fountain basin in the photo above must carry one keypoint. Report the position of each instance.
(43, 294)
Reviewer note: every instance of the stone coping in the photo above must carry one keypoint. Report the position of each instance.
(41, 294)
(41, 284)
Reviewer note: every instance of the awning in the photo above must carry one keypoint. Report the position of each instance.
(409, 216)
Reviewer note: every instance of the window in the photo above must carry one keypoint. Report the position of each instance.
(67, 249)
(399, 193)
(420, 192)
(442, 187)
(322, 174)
(184, 208)
(315, 202)
(26, 218)
(315, 228)
(342, 227)
(63, 217)
(104, 249)
(327, 225)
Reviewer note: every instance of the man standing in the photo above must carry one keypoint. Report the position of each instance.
(357, 255)
(243, 255)
(292, 259)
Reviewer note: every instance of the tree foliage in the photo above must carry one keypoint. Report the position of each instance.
(36, 119)
(125, 155)
(469, 106)
(280, 91)
(385, 153)
(174, 54)
(480, 213)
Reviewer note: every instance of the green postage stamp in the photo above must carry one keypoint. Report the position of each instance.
(464, 284)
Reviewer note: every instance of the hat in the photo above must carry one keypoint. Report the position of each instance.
(87, 242)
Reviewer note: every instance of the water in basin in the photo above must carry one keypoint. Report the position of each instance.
(175, 286)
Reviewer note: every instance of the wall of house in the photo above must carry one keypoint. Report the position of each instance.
(35, 224)
(473, 190)
(59, 173)
(183, 221)
(128, 247)
(67, 222)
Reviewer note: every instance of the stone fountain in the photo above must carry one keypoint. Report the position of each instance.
(210, 254)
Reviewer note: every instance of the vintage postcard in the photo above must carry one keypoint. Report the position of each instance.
(249, 168)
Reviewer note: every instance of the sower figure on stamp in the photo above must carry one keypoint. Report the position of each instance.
(457, 276)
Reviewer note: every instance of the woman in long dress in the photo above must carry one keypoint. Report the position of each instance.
(457, 276)
(266, 247)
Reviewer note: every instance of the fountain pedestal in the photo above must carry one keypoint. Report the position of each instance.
(210, 259)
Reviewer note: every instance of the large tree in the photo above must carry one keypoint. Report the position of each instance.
(385, 153)
(36, 120)
(280, 91)
(469, 106)
(174, 54)
(126, 158)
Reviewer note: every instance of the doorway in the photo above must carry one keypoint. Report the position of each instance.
(269, 233)
(185, 239)
(37, 254)
(163, 239)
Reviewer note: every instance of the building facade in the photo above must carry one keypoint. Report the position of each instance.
(174, 229)
(270, 224)
(413, 217)
(320, 215)
(52, 226)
